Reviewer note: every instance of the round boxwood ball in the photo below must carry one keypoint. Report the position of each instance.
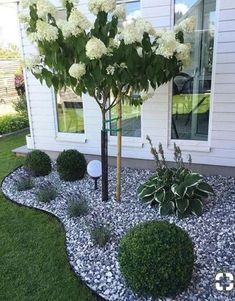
(38, 163)
(71, 165)
(156, 258)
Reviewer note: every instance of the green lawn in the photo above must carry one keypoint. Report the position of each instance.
(33, 261)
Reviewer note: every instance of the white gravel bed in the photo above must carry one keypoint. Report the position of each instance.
(212, 233)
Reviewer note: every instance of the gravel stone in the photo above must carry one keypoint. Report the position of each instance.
(212, 233)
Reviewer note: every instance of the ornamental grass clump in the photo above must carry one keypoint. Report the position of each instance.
(175, 190)
(156, 259)
(100, 235)
(46, 192)
(24, 183)
(71, 165)
(37, 163)
(77, 206)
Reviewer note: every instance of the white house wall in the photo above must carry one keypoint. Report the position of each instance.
(220, 149)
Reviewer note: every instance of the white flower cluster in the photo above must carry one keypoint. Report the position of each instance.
(46, 32)
(187, 25)
(44, 8)
(77, 70)
(75, 25)
(145, 96)
(64, 2)
(24, 18)
(110, 70)
(167, 44)
(120, 12)
(95, 48)
(31, 63)
(95, 6)
(134, 30)
(183, 53)
(27, 3)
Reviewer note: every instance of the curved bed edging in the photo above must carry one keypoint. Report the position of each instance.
(94, 293)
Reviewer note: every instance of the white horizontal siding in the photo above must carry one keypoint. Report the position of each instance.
(155, 112)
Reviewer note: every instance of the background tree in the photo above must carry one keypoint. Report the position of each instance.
(107, 60)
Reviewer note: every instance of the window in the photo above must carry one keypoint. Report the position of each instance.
(69, 112)
(192, 86)
(131, 115)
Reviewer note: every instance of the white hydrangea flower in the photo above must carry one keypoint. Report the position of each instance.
(46, 32)
(77, 19)
(120, 12)
(95, 6)
(145, 26)
(145, 96)
(188, 25)
(44, 8)
(183, 53)
(64, 2)
(133, 30)
(110, 70)
(114, 43)
(32, 37)
(31, 63)
(23, 18)
(67, 29)
(95, 48)
(167, 44)
(37, 70)
(27, 3)
(77, 70)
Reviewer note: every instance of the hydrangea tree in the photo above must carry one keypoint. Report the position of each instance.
(111, 59)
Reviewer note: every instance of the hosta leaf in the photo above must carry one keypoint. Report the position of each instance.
(147, 191)
(148, 199)
(200, 194)
(192, 179)
(203, 186)
(159, 196)
(180, 190)
(182, 204)
(140, 188)
(166, 208)
(196, 206)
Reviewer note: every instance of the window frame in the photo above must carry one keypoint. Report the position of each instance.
(194, 145)
(66, 136)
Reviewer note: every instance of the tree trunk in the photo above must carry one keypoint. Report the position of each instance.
(119, 150)
(104, 159)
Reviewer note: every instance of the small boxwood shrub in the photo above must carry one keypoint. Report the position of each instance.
(11, 123)
(77, 206)
(71, 165)
(156, 258)
(38, 163)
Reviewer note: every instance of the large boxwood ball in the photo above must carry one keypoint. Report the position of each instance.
(38, 163)
(156, 258)
(71, 165)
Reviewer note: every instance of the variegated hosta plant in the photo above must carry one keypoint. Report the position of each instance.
(178, 190)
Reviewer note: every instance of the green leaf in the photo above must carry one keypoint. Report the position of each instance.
(196, 206)
(200, 194)
(203, 186)
(166, 208)
(180, 189)
(140, 188)
(159, 196)
(182, 204)
(192, 179)
(147, 191)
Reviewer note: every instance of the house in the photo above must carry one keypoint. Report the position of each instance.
(196, 110)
